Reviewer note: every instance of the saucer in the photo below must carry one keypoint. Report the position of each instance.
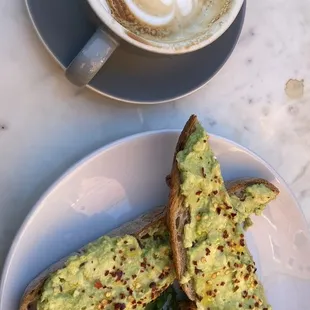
(131, 74)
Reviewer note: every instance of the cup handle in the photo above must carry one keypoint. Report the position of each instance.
(91, 58)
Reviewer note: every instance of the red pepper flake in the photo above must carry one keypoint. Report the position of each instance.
(195, 262)
(132, 249)
(255, 282)
(236, 288)
(197, 270)
(198, 193)
(234, 214)
(227, 206)
(246, 277)
(209, 293)
(215, 192)
(152, 285)
(242, 242)
(122, 296)
(133, 276)
(98, 285)
(218, 210)
(249, 268)
(119, 306)
(106, 272)
(208, 251)
(240, 305)
(143, 265)
(205, 141)
(225, 234)
(222, 283)
(203, 172)
(119, 274)
(220, 248)
(198, 297)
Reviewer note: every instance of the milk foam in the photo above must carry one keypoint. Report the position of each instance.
(167, 20)
(159, 13)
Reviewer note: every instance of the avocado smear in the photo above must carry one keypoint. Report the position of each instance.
(254, 201)
(219, 264)
(113, 273)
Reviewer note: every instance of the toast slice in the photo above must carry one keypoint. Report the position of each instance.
(141, 229)
(212, 263)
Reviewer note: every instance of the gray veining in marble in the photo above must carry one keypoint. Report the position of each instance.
(46, 124)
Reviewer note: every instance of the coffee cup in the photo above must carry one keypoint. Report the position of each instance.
(160, 26)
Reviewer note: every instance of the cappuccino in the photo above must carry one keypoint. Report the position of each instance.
(168, 20)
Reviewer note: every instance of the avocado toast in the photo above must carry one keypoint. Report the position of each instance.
(212, 262)
(130, 266)
(152, 224)
(127, 269)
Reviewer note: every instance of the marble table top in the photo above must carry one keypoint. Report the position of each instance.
(260, 99)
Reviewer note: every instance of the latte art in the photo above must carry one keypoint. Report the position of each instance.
(168, 20)
(160, 12)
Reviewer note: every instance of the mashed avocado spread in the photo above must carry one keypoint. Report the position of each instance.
(218, 261)
(254, 201)
(113, 273)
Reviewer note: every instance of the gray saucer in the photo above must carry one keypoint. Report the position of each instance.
(131, 74)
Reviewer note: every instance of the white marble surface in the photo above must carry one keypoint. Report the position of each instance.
(46, 124)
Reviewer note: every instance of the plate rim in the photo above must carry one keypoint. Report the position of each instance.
(92, 88)
(91, 156)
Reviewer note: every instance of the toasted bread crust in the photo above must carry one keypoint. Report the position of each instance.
(137, 228)
(177, 213)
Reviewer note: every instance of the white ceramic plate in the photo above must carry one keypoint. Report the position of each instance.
(127, 178)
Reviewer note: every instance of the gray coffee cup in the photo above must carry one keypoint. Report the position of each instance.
(102, 44)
